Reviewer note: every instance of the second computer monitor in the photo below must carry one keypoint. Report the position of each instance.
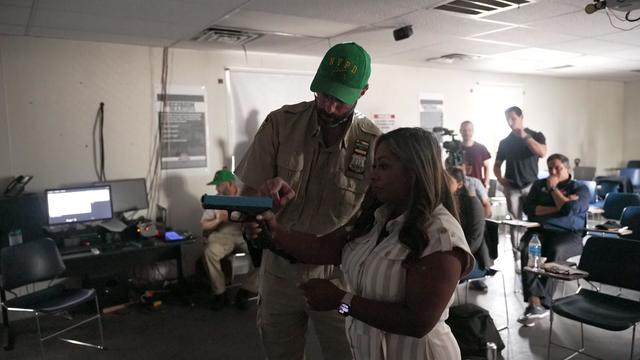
(128, 194)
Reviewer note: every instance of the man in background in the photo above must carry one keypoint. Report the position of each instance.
(521, 150)
(225, 237)
(323, 149)
(476, 155)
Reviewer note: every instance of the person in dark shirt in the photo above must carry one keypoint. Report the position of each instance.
(521, 150)
(472, 221)
(476, 155)
(560, 205)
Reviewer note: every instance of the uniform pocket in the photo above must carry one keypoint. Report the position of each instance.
(290, 169)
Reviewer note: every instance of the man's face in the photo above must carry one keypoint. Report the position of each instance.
(558, 169)
(224, 188)
(514, 121)
(331, 110)
(466, 131)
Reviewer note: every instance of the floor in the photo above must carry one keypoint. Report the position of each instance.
(176, 331)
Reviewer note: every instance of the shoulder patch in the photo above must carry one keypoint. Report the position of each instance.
(366, 125)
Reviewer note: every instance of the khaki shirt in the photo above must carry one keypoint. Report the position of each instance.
(330, 183)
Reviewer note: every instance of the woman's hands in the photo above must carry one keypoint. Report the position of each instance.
(322, 294)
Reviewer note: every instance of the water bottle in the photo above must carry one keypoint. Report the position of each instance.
(535, 251)
(492, 351)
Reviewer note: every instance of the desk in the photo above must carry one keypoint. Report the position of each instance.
(108, 261)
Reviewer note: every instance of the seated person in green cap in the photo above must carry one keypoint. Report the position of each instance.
(225, 237)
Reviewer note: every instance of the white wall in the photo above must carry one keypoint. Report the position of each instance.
(631, 121)
(52, 89)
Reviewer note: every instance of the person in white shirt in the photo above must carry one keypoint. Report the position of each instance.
(402, 254)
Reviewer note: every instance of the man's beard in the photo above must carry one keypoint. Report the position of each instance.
(333, 120)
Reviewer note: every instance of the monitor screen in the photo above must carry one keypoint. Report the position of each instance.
(128, 194)
(72, 205)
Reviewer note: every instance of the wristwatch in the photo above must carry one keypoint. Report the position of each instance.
(552, 188)
(345, 304)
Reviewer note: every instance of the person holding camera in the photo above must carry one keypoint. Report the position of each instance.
(521, 150)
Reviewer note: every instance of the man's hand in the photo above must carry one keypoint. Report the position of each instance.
(552, 181)
(279, 190)
(322, 294)
(504, 181)
(519, 132)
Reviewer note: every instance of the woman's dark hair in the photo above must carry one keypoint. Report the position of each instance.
(514, 109)
(458, 175)
(419, 152)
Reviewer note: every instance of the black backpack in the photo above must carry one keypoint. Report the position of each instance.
(473, 328)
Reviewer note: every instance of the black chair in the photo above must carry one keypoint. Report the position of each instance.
(633, 174)
(633, 164)
(38, 261)
(491, 239)
(631, 219)
(614, 262)
(584, 173)
(615, 203)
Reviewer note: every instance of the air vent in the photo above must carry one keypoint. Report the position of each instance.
(226, 36)
(479, 8)
(451, 58)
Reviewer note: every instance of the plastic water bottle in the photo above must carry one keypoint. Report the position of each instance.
(535, 251)
(15, 237)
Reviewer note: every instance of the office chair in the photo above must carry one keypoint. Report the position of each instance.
(615, 263)
(631, 219)
(491, 239)
(633, 164)
(37, 261)
(591, 185)
(633, 174)
(615, 203)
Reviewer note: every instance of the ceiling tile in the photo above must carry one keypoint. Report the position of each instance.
(362, 12)
(12, 29)
(628, 37)
(525, 36)
(281, 44)
(258, 20)
(633, 54)
(577, 24)
(101, 37)
(590, 46)
(19, 3)
(380, 43)
(456, 45)
(14, 15)
(443, 23)
(533, 12)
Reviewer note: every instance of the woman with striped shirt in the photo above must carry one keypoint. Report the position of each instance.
(402, 255)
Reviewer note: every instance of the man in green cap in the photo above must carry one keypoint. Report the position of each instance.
(323, 151)
(224, 237)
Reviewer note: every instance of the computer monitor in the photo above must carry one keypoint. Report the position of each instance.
(78, 204)
(127, 194)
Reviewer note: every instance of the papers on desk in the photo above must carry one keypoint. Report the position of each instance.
(521, 223)
(621, 231)
(595, 210)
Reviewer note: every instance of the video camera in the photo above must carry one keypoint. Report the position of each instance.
(453, 147)
(247, 208)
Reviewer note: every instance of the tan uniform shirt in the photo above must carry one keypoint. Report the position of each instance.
(329, 182)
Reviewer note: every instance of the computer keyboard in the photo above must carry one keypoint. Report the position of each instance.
(76, 250)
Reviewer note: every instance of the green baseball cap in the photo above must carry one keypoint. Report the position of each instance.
(343, 72)
(221, 176)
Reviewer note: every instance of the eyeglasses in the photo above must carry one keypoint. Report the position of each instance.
(325, 100)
